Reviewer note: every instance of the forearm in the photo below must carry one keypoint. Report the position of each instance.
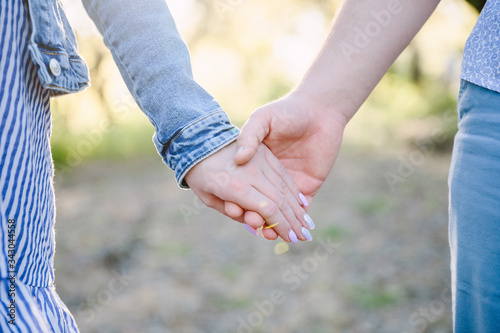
(365, 39)
(154, 62)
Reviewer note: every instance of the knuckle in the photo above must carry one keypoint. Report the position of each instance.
(237, 185)
(252, 171)
(269, 210)
(282, 201)
(281, 171)
(283, 188)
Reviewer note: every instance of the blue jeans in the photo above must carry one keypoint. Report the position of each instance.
(474, 227)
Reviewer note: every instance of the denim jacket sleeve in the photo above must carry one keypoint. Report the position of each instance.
(154, 62)
(53, 49)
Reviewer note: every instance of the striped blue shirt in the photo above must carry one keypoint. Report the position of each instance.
(28, 299)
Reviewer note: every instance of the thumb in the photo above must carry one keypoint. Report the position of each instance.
(252, 134)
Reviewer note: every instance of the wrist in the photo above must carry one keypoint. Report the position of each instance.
(336, 107)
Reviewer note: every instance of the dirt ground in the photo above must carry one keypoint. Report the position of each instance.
(137, 254)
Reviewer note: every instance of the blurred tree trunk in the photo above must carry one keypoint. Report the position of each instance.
(478, 4)
(415, 70)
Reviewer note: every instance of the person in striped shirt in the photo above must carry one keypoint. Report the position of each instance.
(193, 135)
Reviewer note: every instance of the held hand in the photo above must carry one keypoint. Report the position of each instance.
(261, 186)
(302, 134)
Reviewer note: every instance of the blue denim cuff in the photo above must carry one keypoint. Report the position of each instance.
(54, 50)
(195, 142)
(68, 74)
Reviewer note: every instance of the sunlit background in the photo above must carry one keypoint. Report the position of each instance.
(120, 212)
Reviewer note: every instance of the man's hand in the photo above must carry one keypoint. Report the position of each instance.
(304, 129)
(300, 134)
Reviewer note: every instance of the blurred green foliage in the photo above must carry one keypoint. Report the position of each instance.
(250, 53)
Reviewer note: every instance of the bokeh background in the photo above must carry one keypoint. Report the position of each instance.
(137, 254)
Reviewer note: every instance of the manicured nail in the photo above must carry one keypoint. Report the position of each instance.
(239, 150)
(306, 234)
(250, 229)
(293, 237)
(303, 199)
(309, 221)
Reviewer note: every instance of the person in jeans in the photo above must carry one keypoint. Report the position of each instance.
(304, 130)
(193, 135)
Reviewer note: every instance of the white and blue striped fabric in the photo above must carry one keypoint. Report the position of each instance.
(28, 301)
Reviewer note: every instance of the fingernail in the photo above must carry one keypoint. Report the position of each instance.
(309, 221)
(303, 199)
(250, 229)
(239, 150)
(293, 237)
(306, 234)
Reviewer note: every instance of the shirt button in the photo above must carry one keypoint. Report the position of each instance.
(55, 67)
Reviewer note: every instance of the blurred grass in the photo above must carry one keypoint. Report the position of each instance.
(373, 298)
(227, 304)
(333, 232)
(171, 249)
(370, 206)
(231, 272)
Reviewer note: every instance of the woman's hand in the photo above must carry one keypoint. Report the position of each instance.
(262, 186)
